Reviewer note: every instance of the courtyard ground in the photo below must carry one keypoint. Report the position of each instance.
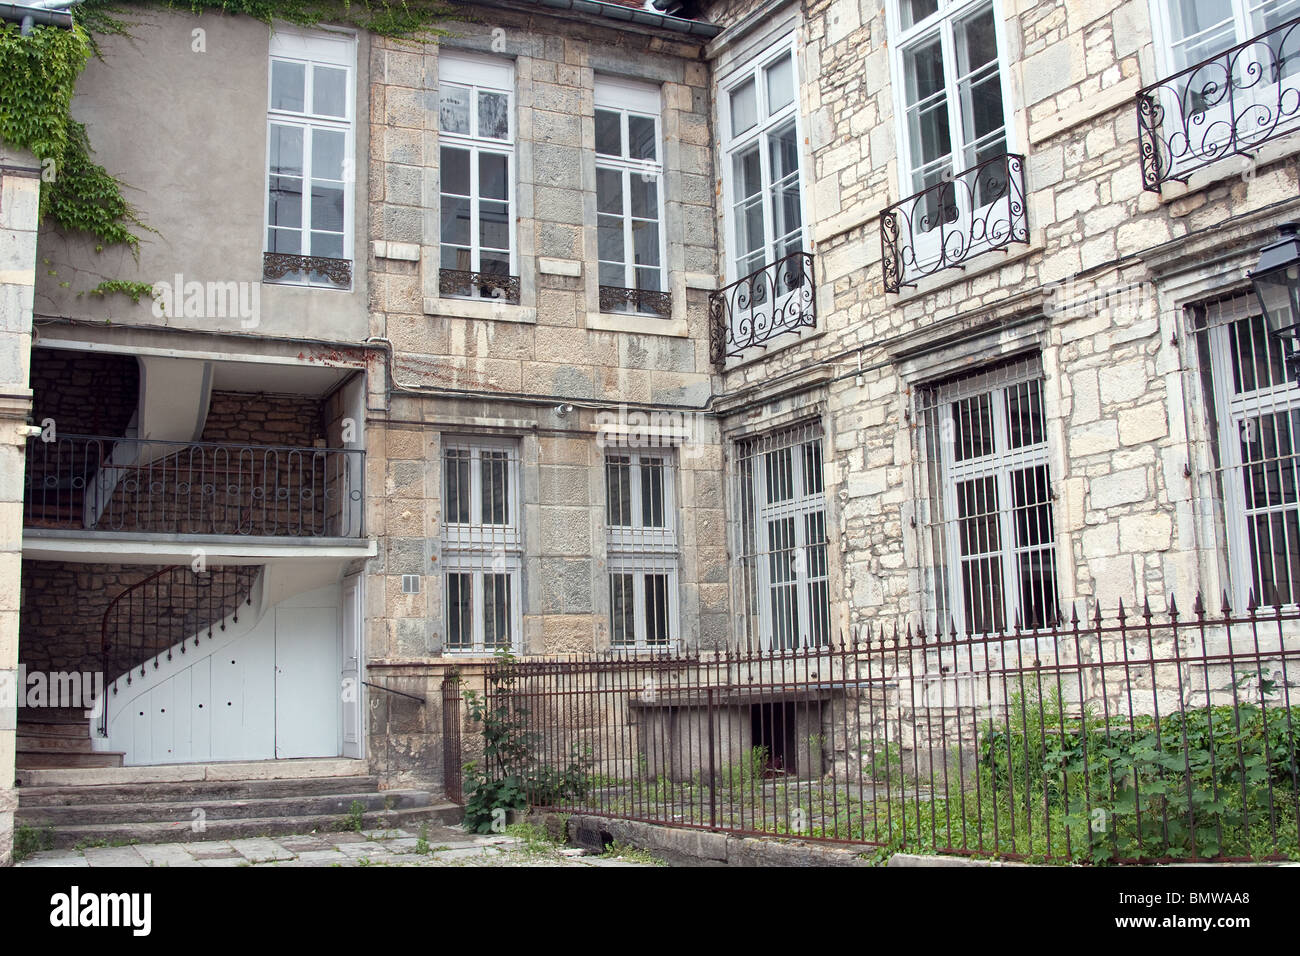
(431, 846)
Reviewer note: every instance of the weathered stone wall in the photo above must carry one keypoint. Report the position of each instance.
(86, 393)
(63, 605)
(242, 418)
(479, 368)
(1127, 434)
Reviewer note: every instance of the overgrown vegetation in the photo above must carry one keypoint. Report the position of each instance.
(29, 840)
(512, 779)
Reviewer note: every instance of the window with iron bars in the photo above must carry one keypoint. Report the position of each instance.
(1255, 424)
(481, 545)
(988, 512)
(779, 487)
(641, 549)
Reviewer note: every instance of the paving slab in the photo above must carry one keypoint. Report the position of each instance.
(213, 850)
(261, 850)
(311, 857)
(113, 856)
(167, 854)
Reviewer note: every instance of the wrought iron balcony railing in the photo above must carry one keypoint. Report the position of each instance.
(142, 486)
(952, 221)
(487, 285)
(639, 301)
(1229, 104)
(776, 300)
(281, 267)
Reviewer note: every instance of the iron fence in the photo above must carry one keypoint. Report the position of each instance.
(977, 210)
(776, 300)
(1111, 738)
(1231, 103)
(98, 484)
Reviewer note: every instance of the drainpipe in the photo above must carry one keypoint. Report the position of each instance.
(31, 16)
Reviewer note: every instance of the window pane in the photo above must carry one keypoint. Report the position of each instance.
(780, 84)
(456, 504)
(812, 468)
(609, 239)
(288, 86)
(453, 109)
(1201, 29)
(329, 91)
(455, 222)
(496, 487)
(784, 594)
(327, 244)
(609, 191)
(493, 115)
(327, 207)
(652, 493)
(286, 202)
(493, 176)
(780, 475)
(454, 172)
(496, 611)
(327, 149)
(644, 197)
(622, 610)
(460, 601)
(618, 483)
(641, 137)
(286, 150)
(656, 610)
(914, 11)
(613, 274)
(972, 427)
(609, 133)
(494, 225)
(744, 108)
(648, 279)
(287, 241)
(645, 243)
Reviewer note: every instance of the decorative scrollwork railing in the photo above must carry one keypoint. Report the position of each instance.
(277, 266)
(644, 301)
(487, 285)
(942, 226)
(143, 486)
(776, 300)
(1229, 104)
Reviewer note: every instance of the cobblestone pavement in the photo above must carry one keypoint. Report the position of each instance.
(446, 846)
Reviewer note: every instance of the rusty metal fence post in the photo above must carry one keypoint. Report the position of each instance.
(452, 760)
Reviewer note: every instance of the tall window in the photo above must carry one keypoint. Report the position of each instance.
(1201, 29)
(1257, 407)
(990, 507)
(760, 107)
(310, 164)
(481, 545)
(952, 107)
(641, 545)
(476, 176)
(629, 198)
(781, 492)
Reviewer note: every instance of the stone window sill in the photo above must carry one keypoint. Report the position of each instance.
(1234, 165)
(470, 309)
(636, 324)
(988, 261)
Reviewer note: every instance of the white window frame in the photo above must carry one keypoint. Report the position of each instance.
(941, 22)
(629, 98)
(733, 143)
(641, 550)
(330, 49)
(492, 75)
(478, 549)
(1238, 415)
(797, 509)
(999, 465)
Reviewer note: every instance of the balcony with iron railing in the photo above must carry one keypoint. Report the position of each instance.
(947, 224)
(773, 302)
(80, 485)
(1230, 104)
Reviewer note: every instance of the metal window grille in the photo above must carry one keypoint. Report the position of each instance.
(779, 488)
(1257, 422)
(481, 545)
(642, 549)
(987, 514)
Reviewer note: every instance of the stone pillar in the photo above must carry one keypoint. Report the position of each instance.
(20, 187)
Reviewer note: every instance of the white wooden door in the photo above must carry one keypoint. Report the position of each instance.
(306, 682)
(350, 676)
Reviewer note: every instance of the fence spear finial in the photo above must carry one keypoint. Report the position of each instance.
(1227, 608)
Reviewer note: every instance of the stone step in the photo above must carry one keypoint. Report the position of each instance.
(53, 728)
(192, 792)
(334, 806)
(111, 834)
(53, 743)
(53, 760)
(288, 769)
(59, 716)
